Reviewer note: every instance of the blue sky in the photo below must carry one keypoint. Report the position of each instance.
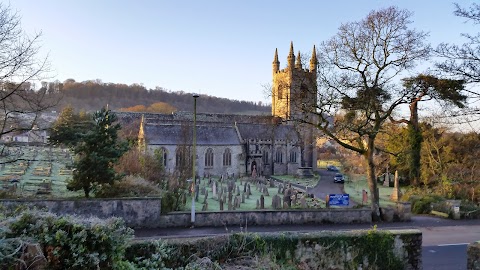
(221, 48)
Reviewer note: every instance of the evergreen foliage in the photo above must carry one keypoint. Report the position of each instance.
(97, 154)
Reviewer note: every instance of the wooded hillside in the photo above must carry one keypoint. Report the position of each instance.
(92, 95)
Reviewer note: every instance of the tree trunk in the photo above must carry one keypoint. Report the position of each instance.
(372, 181)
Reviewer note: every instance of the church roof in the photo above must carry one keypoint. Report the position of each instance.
(268, 132)
(173, 134)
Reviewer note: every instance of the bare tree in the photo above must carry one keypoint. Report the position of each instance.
(357, 92)
(20, 64)
(463, 61)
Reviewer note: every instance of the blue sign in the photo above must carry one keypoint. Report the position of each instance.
(339, 199)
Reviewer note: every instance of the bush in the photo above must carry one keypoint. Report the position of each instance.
(423, 205)
(469, 210)
(131, 186)
(70, 242)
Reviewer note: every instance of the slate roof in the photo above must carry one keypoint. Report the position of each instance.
(173, 134)
(268, 132)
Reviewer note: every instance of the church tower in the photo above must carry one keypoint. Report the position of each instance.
(293, 87)
(294, 93)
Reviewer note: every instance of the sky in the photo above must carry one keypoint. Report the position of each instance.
(220, 48)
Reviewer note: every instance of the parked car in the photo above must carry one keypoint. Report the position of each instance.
(332, 168)
(338, 178)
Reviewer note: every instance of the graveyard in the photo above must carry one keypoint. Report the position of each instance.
(36, 171)
(41, 172)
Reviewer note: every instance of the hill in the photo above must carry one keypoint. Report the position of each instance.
(92, 95)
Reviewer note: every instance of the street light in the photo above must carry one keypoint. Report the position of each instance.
(194, 156)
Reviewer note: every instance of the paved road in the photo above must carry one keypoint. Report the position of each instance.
(444, 241)
(326, 185)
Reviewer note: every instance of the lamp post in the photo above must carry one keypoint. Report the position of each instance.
(194, 157)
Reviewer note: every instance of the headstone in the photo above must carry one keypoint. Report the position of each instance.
(245, 187)
(206, 197)
(262, 202)
(265, 191)
(230, 207)
(276, 202)
(238, 201)
(235, 202)
(272, 183)
(303, 202)
(238, 190)
(243, 197)
(202, 191)
(364, 197)
(224, 197)
(221, 204)
(214, 190)
(386, 181)
(280, 189)
(258, 204)
(249, 191)
(205, 207)
(396, 193)
(197, 188)
(230, 197)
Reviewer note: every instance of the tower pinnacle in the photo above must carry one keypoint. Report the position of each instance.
(276, 63)
(313, 61)
(291, 56)
(298, 64)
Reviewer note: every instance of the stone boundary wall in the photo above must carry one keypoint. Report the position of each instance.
(137, 212)
(473, 256)
(266, 217)
(360, 249)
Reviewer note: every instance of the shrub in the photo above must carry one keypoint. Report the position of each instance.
(131, 186)
(70, 242)
(423, 205)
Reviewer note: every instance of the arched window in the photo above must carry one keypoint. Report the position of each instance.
(293, 156)
(162, 154)
(279, 155)
(265, 158)
(209, 158)
(227, 157)
(180, 158)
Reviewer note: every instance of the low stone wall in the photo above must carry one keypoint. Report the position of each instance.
(365, 249)
(137, 212)
(267, 217)
(473, 256)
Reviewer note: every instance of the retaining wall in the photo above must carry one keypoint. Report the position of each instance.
(267, 217)
(473, 256)
(360, 249)
(137, 212)
(145, 213)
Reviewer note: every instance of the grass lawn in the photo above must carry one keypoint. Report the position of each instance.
(357, 183)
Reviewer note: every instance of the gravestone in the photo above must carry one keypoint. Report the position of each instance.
(238, 190)
(245, 187)
(205, 206)
(214, 190)
(235, 202)
(303, 202)
(280, 189)
(230, 207)
(262, 202)
(243, 197)
(224, 198)
(249, 191)
(206, 197)
(276, 202)
(272, 183)
(265, 191)
(258, 204)
(221, 204)
(202, 191)
(197, 188)
(396, 193)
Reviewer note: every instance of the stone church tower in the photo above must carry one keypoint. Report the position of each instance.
(294, 93)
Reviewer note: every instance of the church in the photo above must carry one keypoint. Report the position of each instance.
(241, 145)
